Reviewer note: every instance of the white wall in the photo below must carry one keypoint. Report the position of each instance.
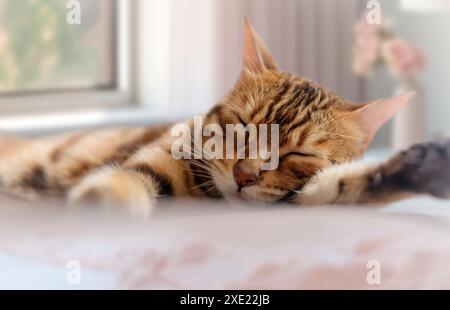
(176, 56)
(190, 50)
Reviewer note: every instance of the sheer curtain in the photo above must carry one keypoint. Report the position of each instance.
(190, 51)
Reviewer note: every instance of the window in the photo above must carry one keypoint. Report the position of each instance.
(47, 62)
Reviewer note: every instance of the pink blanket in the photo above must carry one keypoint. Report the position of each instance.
(218, 247)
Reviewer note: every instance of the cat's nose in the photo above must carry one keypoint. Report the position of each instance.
(244, 176)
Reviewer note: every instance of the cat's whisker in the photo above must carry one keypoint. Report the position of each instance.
(200, 165)
(205, 174)
(207, 183)
(207, 169)
(202, 173)
(198, 149)
(211, 188)
(200, 153)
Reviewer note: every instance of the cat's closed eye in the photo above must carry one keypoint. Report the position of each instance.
(299, 154)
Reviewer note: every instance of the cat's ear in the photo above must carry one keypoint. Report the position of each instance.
(370, 117)
(256, 55)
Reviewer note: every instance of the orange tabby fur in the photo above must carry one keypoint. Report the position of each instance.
(134, 166)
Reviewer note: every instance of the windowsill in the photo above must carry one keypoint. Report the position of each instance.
(49, 123)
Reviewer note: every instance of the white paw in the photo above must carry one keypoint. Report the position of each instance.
(113, 190)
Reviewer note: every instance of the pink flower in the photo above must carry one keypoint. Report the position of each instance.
(402, 58)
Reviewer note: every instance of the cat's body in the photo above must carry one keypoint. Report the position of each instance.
(320, 133)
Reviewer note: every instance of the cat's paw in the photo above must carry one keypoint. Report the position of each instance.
(423, 168)
(113, 190)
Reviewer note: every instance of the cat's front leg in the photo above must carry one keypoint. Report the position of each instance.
(421, 169)
(112, 188)
(136, 184)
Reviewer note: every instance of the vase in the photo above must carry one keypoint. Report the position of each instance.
(409, 125)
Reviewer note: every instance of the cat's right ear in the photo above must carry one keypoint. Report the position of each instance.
(257, 57)
(370, 117)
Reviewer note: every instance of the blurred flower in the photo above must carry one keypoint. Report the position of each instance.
(402, 58)
(377, 44)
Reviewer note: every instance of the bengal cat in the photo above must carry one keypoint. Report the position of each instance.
(320, 137)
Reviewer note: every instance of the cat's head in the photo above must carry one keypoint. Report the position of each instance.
(317, 128)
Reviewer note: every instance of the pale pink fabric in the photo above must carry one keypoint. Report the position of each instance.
(245, 249)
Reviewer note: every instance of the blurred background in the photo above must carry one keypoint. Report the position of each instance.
(136, 62)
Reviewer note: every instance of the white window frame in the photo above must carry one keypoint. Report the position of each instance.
(123, 95)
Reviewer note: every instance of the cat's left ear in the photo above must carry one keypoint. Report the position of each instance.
(256, 55)
(370, 117)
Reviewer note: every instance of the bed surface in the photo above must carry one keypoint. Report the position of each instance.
(188, 245)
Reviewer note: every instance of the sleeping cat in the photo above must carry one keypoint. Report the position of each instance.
(320, 136)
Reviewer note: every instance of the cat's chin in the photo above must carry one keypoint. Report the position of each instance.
(242, 197)
(236, 196)
(239, 198)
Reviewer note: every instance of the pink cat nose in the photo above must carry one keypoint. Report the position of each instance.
(243, 176)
